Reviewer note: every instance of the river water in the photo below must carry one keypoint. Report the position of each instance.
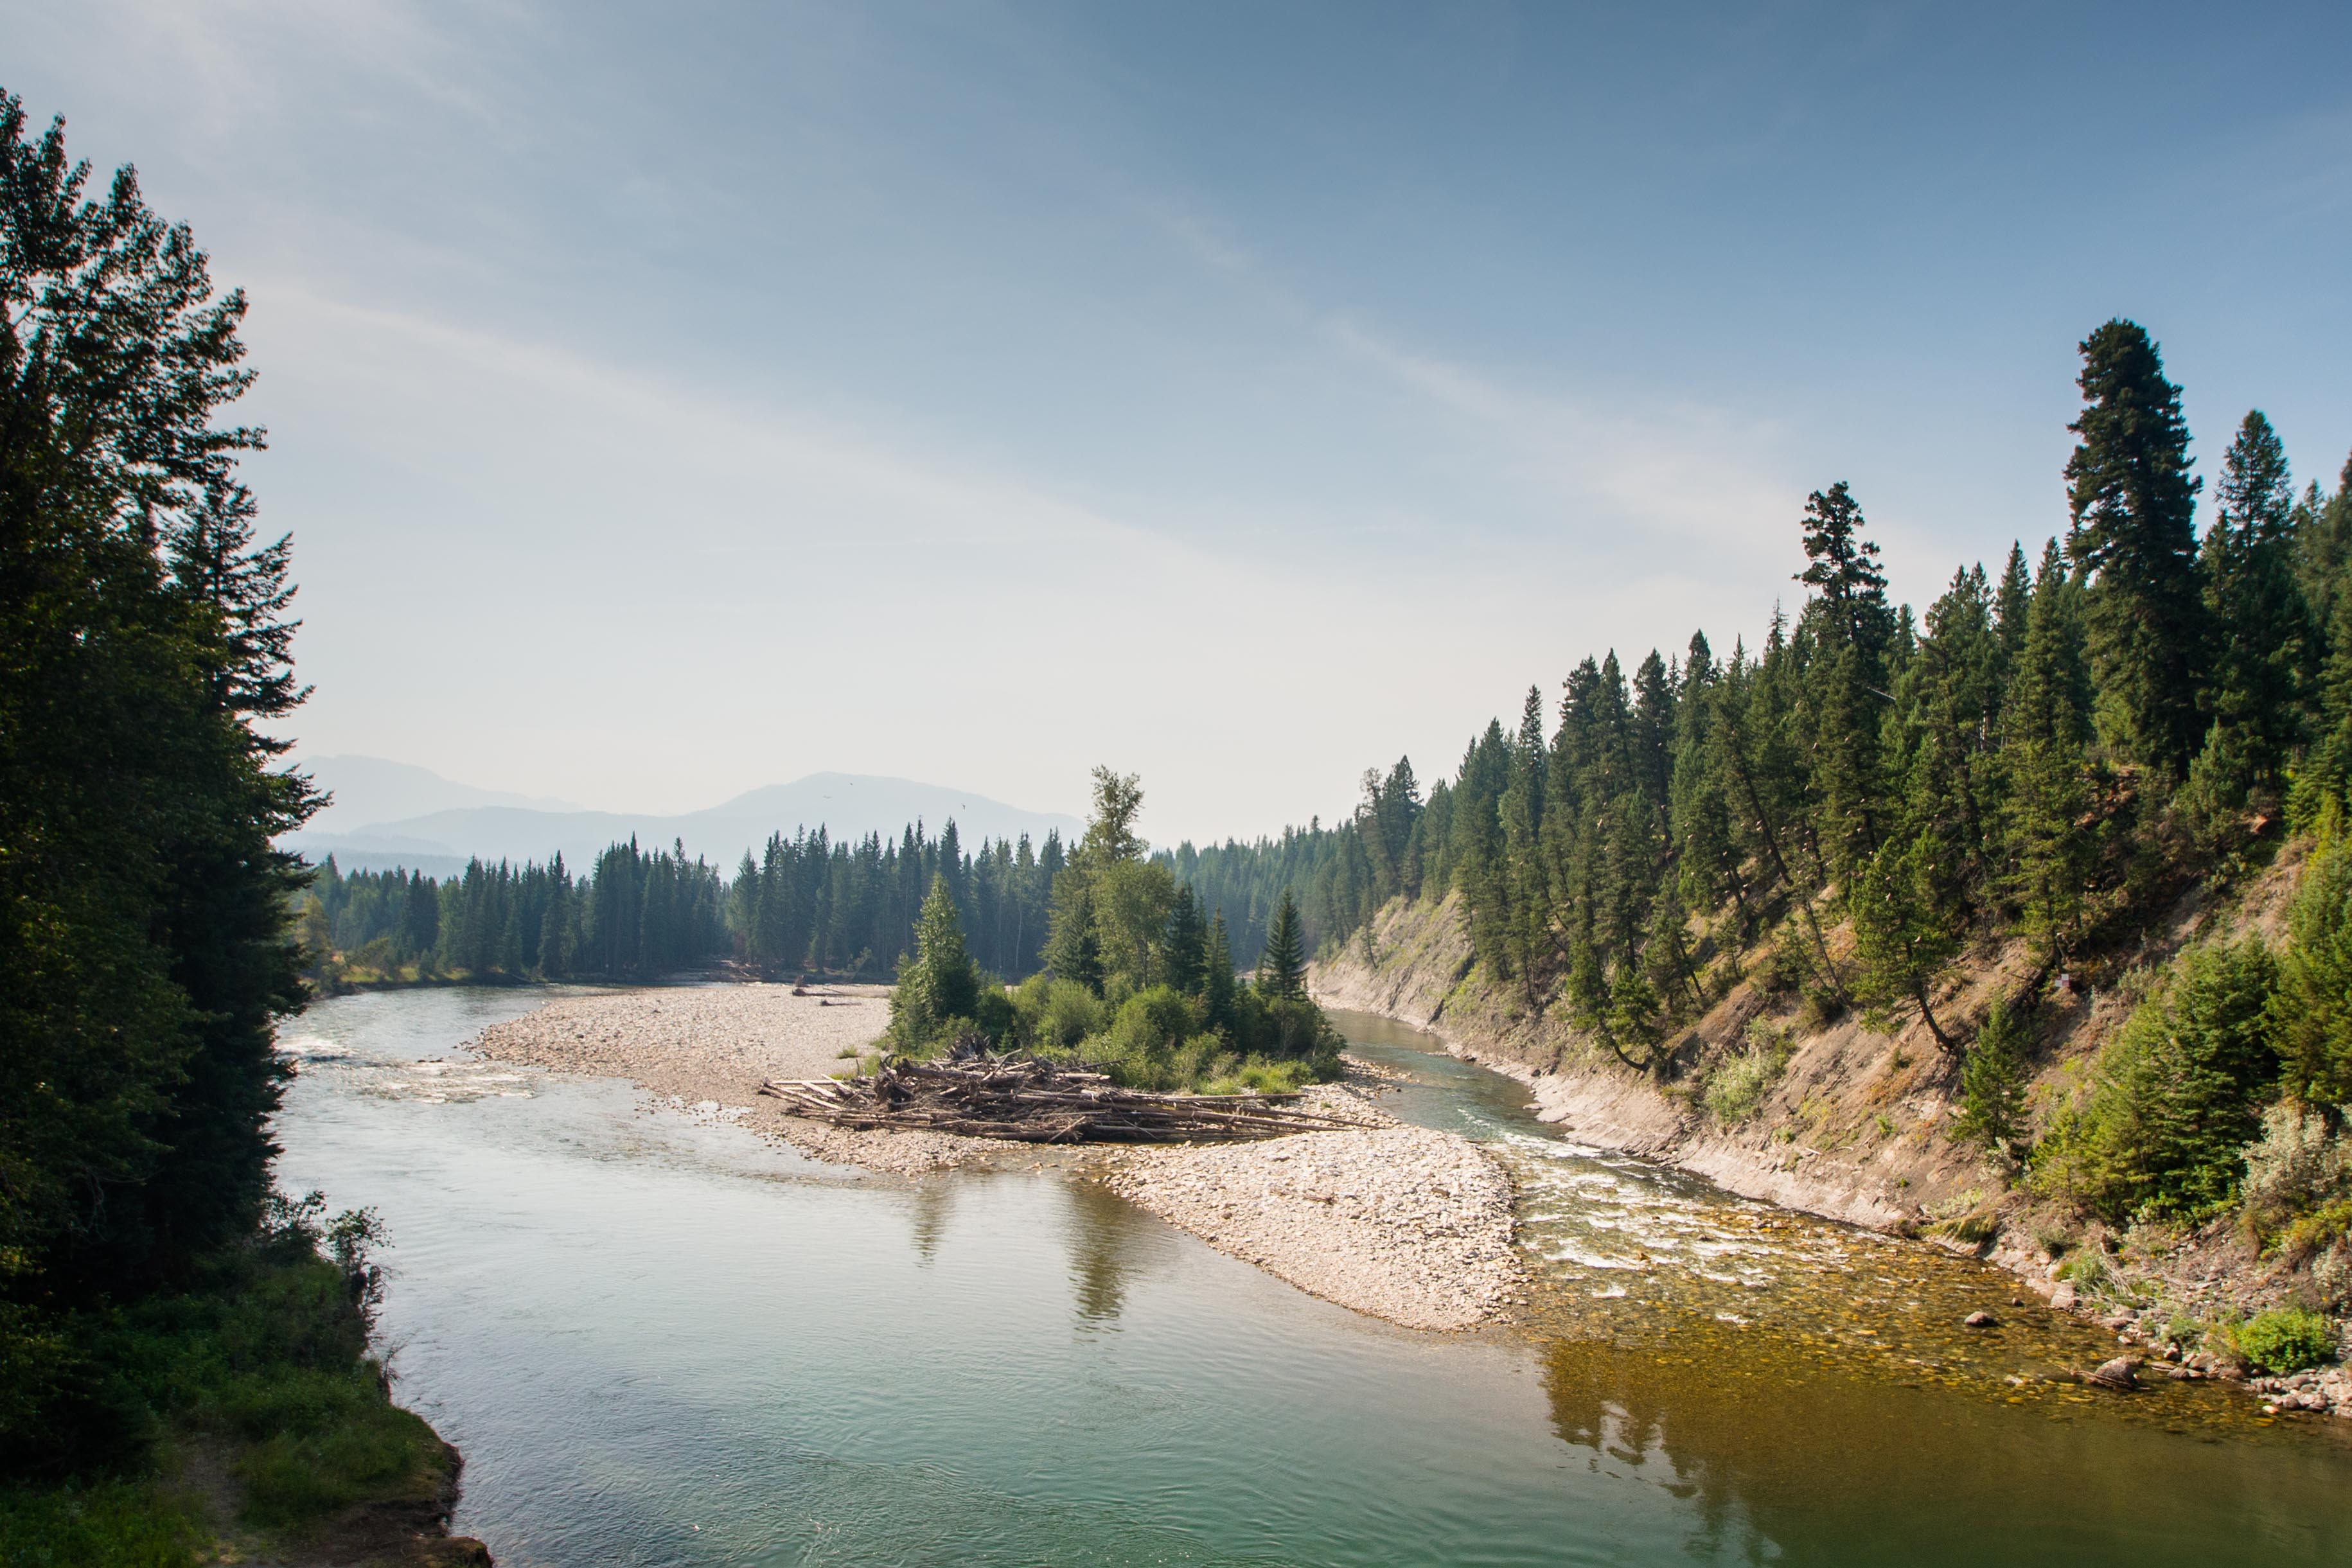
(662, 1341)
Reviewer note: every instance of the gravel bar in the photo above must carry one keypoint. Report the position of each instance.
(1398, 1222)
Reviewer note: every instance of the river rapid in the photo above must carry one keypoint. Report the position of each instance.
(659, 1340)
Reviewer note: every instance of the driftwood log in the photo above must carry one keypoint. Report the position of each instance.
(1028, 1100)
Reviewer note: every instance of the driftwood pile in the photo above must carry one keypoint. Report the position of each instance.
(1028, 1100)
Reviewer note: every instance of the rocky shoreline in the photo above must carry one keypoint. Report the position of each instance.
(1613, 1111)
(1400, 1223)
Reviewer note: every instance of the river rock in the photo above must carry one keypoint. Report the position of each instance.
(1982, 1320)
(2120, 1373)
(2063, 1297)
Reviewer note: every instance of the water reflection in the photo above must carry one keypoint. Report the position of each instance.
(929, 1209)
(1783, 1457)
(1105, 1234)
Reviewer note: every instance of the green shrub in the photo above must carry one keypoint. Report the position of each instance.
(2298, 1179)
(1052, 1016)
(2288, 1339)
(1738, 1083)
(2162, 1130)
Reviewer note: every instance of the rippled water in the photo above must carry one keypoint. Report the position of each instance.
(661, 1341)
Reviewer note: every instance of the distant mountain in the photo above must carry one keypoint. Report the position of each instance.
(371, 790)
(848, 805)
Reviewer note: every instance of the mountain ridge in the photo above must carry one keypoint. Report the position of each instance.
(847, 805)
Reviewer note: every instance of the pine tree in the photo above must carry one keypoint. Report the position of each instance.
(1850, 629)
(1187, 944)
(1282, 967)
(1906, 928)
(2133, 503)
(2045, 725)
(2014, 601)
(1217, 985)
(1073, 947)
(1992, 1083)
(2259, 621)
(939, 984)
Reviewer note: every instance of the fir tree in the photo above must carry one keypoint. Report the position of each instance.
(939, 984)
(1282, 968)
(1187, 947)
(1906, 928)
(1992, 1083)
(2014, 601)
(2045, 726)
(1217, 985)
(1072, 948)
(2260, 620)
(2133, 502)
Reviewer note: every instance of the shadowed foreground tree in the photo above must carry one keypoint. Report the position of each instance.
(142, 636)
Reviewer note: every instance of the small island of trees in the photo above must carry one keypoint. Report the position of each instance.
(1138, 983)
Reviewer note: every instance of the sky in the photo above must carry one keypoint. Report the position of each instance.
(666, 400)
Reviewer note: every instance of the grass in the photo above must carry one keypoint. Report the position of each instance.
(261, 1371)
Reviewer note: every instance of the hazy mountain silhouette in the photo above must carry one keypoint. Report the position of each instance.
(438, 838)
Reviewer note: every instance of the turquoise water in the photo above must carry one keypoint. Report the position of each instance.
(666, 1342)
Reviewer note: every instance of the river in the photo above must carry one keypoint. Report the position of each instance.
(659, 1340)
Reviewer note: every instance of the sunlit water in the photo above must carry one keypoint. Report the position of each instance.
(661, 1341)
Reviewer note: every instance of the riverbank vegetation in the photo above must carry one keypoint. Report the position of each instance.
(1873, 808)
(153, 1312)
(1138, 984)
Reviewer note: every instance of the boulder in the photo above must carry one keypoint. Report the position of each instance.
(2120, 1373)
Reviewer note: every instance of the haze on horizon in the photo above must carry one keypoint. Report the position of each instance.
(667, 405)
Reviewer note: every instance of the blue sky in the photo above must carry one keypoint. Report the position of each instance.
(671, 400)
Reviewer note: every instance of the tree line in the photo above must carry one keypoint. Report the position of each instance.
(806, 906)
(2052, 753)
(2055, 746)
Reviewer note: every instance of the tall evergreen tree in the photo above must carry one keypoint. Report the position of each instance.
(1187, 947)
(2133, 502)
(2259, 621)
(2013, 601)
(1282, 968)
(1217, 985)
(2046, 728)
(937, 984)
(1850, 629)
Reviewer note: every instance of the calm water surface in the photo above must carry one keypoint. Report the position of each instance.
(662, 1341)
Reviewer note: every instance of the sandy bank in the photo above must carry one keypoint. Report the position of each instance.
(1397, 1222)
(712, 1047)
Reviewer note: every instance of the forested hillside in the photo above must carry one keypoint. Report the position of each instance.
(1868, 800)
